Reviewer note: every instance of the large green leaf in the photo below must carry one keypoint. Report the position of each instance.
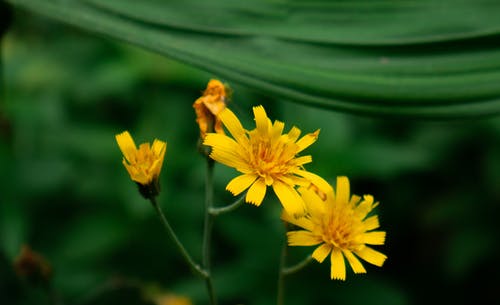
(427, 58)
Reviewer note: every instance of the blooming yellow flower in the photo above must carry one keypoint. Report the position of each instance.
(265, 157)
(143, 164)
(341, 228)
(208, 106)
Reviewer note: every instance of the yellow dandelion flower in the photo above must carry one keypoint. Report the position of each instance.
(265, 157)
(208, 106)
(143, 164)
(341, 227)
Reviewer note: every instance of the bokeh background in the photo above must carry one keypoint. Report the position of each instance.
(64, 191)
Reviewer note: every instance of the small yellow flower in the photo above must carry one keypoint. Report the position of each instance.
(341, 227)
(143, 164)
(265, 157)
(208, 106)
(172, 299)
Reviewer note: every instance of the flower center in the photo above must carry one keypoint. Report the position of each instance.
(145, 159)
(269, 159)
(341, 230)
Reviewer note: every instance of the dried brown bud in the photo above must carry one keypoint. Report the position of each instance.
(32, 266)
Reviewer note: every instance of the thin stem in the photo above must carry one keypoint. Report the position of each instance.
(195, 267)
(233, 206)
(207, 230)
(281, 276)
(297, 267)
(285, 271)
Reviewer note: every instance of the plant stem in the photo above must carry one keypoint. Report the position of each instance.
(284, 271)
(297, 267)
(281, 276)
(207, 231)
(195, 267)
(233, 206)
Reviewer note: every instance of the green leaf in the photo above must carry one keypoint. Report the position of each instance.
(424, 59)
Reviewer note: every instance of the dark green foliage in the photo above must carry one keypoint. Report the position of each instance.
(430, 59)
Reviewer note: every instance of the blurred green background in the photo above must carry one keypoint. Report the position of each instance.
(64, 191)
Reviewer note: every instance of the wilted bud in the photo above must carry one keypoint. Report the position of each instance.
(209, 105)
(32, 266)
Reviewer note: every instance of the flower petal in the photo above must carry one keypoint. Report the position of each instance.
(302, 222)
(240, 183)
(356, 265)
(371, 223)
(234, 126)
(303, 160)
(354, 201)
(127, 145)
(342, 196)
(289, 198)
(371, 256)
(221, 142)
(307, 140)
(261, 120)
(155, 169)
(277, 130)
(374, 238)
(293, 134)
(337, 271)
(256, 192)
(314, 205)
(159, 149)
(302, 238)
(322, 252)
(365, 206)
(137, 176)
(226, 151)
(316, 180)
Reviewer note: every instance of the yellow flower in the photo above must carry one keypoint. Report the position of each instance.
(341, 227)
(265, 157)
(172, 299)
(208, 106)
(143, 164)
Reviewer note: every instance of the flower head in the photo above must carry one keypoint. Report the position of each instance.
(209, 105)
(143, 164)
(340, 225)
(265, 157)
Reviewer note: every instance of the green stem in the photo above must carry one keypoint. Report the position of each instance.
(233, 206)
(195, 267)
(207, 230)
(285, 271)
(297, 267)
(281, 276)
